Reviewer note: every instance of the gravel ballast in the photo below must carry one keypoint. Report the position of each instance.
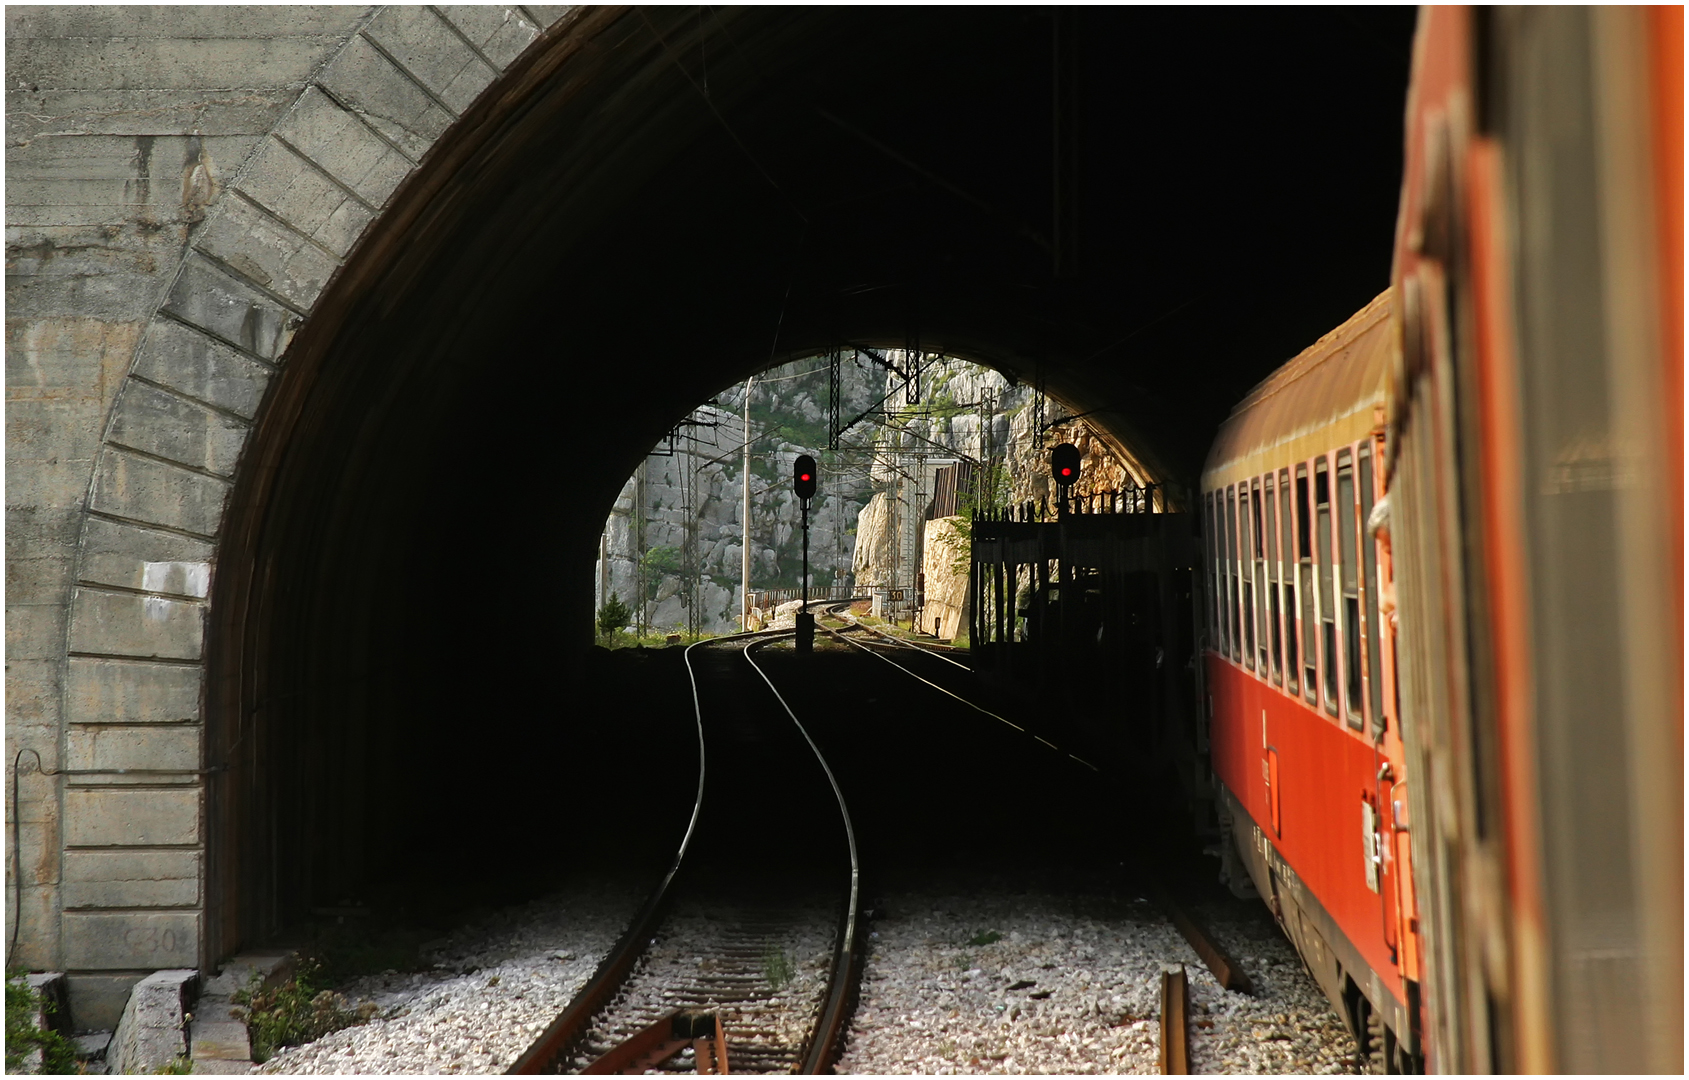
(494, 987)
(1072, 985)
(963, 975)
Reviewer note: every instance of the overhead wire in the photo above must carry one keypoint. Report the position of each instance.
(791, 204)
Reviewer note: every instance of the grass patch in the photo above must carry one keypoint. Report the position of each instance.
(985, 937)
(777, 967)
(295, 1012)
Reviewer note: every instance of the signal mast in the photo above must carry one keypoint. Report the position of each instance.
(803, 485)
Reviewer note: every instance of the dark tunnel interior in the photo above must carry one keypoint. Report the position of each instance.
(665, 202)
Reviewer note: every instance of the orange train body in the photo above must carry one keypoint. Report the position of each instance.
(1467, 814)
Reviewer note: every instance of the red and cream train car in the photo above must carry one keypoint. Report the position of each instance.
(1468, 812)
(1300, 680)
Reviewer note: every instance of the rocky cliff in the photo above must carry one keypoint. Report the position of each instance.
(971, 414)
(673, 543)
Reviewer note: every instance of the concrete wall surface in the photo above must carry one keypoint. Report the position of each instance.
(181, 184)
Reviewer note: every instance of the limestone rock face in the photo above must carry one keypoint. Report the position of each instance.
(1100, 468)
(876, 542)
(675, 538)
(945, 613)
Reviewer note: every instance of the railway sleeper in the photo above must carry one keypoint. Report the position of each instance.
(667, 1037)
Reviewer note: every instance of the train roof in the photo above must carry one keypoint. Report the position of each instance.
(1327, 396)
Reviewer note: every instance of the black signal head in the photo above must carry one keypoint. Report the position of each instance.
(1064, 464)
(803, 477)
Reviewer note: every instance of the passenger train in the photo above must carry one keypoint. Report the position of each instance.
(1443, 659)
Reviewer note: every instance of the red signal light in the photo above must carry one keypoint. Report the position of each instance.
(803, 477)
(1064, 464)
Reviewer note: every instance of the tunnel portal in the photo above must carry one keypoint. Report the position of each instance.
(1140, 212)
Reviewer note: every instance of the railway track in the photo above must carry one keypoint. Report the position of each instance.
(745, 957)
(880, 644)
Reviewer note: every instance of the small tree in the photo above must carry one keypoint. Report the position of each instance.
(613, 616)
(990, 490)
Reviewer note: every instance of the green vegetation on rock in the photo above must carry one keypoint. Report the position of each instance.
(24, 1035)
(295, 1012)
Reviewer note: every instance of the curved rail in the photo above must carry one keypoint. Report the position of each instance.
(558, 1036)
(571, 1024)
(823, 1043)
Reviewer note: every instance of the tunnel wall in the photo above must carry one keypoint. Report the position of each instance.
(182, 183)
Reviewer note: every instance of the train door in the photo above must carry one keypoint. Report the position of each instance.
(1397, 890)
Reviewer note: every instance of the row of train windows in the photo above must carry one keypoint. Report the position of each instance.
(1283, 553)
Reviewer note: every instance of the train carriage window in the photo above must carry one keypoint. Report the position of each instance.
(1259, 554)
(1287, 586)
(1236, 633)
(1271, 583)
(1221, 638)
(1246, 575)
(1305, 583)
(1212, 546)
(1348, 580)
(1371, 627)
(1327, 609)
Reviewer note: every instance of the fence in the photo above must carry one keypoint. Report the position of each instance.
(768, 599)
(895, 604)
(1131, 500)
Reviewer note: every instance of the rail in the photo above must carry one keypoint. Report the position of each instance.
(925, 651)
(823, 1044)
(1127, 500)
(765, 599)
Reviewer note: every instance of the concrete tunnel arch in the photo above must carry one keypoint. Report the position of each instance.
(609, 227)
(384, 459)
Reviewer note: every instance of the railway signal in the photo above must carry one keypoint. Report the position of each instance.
(803, 477)
(803, 484)
(1064, 465)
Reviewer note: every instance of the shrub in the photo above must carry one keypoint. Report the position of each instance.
(294, 1012)
(24, 1035)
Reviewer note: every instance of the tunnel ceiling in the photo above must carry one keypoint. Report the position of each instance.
(696, 193)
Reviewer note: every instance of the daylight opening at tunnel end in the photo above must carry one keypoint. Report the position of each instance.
(910, 445)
